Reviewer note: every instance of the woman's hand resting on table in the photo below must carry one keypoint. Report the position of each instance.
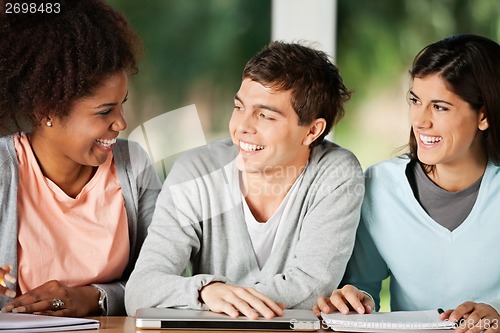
(474, 317)
(345, 299)
(54, 298)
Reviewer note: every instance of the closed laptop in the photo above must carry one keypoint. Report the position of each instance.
(181, 319)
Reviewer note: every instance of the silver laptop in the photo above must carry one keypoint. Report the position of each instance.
(179, 319)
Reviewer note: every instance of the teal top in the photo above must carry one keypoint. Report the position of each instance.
(429, 266)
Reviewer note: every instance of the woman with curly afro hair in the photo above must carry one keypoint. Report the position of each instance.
(75, 201)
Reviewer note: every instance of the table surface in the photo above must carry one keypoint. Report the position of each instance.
(127, 325)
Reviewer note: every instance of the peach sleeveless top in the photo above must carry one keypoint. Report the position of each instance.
(77, 241)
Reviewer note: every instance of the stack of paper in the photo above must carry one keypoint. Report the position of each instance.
(387, 321)
(18, 322)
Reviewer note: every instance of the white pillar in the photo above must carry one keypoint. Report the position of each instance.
(310, 20)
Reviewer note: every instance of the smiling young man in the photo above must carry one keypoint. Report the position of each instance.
(267, 218)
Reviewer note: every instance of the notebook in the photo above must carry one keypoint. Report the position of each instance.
(155, 318)
(407, 321)
(21, 322)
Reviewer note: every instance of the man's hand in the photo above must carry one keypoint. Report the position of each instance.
(233, 300)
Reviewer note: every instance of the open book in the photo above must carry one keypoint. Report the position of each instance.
(19, 322)
(387, 321)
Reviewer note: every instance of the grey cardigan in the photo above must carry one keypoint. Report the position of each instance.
(199, 220)
(140, 188)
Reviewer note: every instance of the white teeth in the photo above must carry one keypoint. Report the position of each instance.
(249, 147)
(105, 143)
(430, 139)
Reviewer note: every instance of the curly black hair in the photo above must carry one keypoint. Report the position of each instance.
(49, 60)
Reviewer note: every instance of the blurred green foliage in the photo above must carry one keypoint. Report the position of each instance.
(195, 52)
(377, 41)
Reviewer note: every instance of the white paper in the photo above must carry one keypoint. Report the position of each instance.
(387, 321)
(20, 322)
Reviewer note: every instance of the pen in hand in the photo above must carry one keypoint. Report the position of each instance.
(458, 323)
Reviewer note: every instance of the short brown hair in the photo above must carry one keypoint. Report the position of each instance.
(316, 85)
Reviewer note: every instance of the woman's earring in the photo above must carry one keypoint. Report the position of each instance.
(49, 123)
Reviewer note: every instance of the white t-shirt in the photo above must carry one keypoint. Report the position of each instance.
(265, 234)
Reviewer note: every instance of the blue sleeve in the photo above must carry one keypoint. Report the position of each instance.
(366, 268)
